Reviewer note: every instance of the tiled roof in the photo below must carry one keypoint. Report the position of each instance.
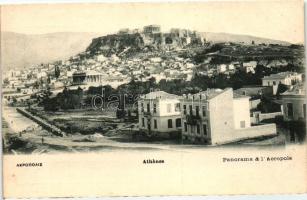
(160, 95)
(250, 91)
(211, 93)
(92, 72)
(208, 94)
(280, 75)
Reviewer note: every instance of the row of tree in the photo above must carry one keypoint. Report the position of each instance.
(71, 99)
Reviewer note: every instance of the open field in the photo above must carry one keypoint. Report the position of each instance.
(85, 122)
(31, 138)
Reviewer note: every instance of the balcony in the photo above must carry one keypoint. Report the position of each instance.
(148, 114)
(192, 119)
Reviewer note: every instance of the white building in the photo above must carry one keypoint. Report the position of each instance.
(231, 67)
(101, 58)
(294, 103)
(250, 66)
(285, 78)
(294, 112)
(42, 75)
(219, 116)
(221, 68)
(13, 73)
(159, 114)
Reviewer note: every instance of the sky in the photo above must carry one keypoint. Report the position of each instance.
(277, 19)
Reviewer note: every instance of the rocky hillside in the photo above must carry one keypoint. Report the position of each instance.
(131, 44)
(127, 44)
(115, 44)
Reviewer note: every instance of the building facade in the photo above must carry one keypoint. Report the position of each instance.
(285, 78)
(219, 116)
(159, 115)
(294, 103)
(88, 77)
(151, 29)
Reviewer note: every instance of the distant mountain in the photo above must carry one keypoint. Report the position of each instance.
(22, 50)
(236, 38)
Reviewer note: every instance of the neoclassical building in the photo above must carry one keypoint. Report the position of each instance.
(159, 114)
(219, 116)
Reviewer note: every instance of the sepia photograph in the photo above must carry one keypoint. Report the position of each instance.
(159, 81)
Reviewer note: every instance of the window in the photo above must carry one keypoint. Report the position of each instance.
(304, 110)
(178, 122)
(142, 107)
(242, 124)
(197, 128)
(184, 109)
(148, 107)
(197, 111)
(192, 129)
(155, 124)
(204, 111)
(170, 123)
(143, 122)
(290, 110)
(191, 110)
(177, 107)
(205, 129)
(169, 107)
(185, 127)
(155, 108)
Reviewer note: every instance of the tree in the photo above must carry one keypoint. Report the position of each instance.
(51, 104)
(48, 80)
(57, 72)
(36, 85)
(120, 113)
(152, 82)
(281, 89)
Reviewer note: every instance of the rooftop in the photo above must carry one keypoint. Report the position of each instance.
(92, 73)
(152, 25)
(280, 75)
(87, 73)
(208, 94)
(212, 93)
(160, 95)
(250, 90)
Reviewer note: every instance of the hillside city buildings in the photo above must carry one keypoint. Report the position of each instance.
(214, 116)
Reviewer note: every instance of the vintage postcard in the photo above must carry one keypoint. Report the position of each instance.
(153, 99)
